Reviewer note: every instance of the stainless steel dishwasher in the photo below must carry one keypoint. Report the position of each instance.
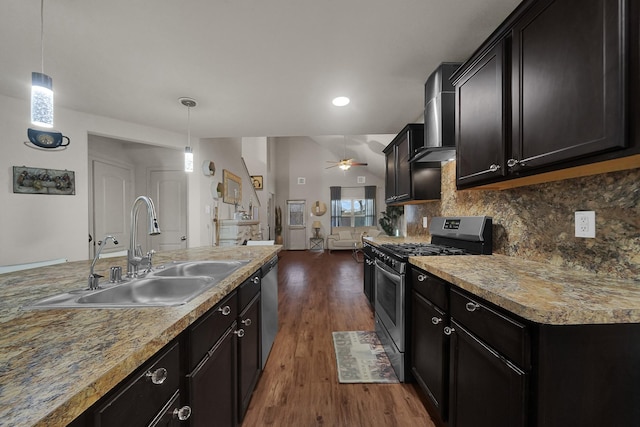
(269, 306)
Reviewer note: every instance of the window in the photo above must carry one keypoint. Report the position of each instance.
(353, 206)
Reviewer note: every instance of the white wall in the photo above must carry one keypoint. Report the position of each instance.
(41, 227)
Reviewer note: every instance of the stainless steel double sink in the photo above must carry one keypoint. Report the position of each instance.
(171, 284)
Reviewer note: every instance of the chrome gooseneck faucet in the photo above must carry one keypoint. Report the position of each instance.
(135, 258)
(94, 278)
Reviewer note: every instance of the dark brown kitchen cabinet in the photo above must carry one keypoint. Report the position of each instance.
(568, 71)
(481, 129)
(404, 181)
(369, 274)
(146, 396)
(249, 349)
(212, 385)
(429, 351)
(548, 90)
(486, 390)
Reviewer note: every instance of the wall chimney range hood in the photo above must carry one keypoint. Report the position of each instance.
(439, 117)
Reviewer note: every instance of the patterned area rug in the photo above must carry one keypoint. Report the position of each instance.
(361, 358)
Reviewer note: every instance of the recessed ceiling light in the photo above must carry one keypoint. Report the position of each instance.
(341, 101)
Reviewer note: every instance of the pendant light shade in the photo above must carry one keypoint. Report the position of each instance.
(188, 152)
(188, 159)
(41, 87)
(41, 100)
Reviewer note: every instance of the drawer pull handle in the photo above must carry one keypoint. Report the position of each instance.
(256, 280)
(422, 277)
(239, 333)
(435, 320)
(494, 167)
(226, 310)
(472, 306)
(158, 376)
(183, 413)
(246, 322)
(448, 330)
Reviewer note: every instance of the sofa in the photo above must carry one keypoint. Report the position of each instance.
(349, 237)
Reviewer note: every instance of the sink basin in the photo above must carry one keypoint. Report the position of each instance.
(218, 269)
(172, 284)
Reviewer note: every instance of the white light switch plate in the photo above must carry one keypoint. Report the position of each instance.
(425, 222)
(585, 224)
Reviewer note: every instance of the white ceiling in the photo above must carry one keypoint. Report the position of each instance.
(256, 67)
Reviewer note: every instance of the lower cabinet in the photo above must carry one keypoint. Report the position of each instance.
(369, 275)
(204, 378)
(212, 385)
(485, 388)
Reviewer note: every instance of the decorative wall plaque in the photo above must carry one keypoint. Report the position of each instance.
(28, 180)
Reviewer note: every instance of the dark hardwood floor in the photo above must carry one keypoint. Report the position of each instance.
(320, 293)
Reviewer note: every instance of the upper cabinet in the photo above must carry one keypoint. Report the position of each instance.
(404, 181)
(547, 91)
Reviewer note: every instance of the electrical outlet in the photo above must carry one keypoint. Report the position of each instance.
(425, 222)
(585, 224)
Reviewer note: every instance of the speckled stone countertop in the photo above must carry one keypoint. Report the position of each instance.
(54, 364)
(538, 292)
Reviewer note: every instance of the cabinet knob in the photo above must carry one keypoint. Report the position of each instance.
(226, 310)
(435, 320)
(448, 330)
(246, 322)
(514, 162)
(494, 167)
(422, 277)
(472, 306)
(256, 280)
(183, 413)
(239, 333)
(158, 376)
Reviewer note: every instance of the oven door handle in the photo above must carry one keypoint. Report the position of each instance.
(391, 274)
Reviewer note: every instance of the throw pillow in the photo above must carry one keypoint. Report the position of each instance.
(344, 235)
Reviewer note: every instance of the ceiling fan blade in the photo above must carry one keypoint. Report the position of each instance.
(334, 166)
(359, 164)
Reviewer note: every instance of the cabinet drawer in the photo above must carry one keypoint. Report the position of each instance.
(248, 290)
(207, 331)
(431, 288)
(138, 401)
(506, 335)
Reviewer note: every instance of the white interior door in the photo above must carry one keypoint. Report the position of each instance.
(112, 186)
(168, 190)
(296, 225)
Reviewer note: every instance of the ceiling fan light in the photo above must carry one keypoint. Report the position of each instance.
(341, 101)
(344, 166)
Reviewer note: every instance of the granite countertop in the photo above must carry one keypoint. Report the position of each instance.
(54, 364)
(539, 292)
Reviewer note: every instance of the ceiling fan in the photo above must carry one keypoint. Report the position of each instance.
(345, 163)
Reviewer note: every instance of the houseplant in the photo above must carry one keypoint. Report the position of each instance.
(389, 220)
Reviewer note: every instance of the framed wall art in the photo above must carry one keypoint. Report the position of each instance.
(28, 180)
(256, 180)
(232, 188)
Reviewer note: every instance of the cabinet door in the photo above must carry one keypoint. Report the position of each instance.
(429, 351)
(485, 389)
(249, 353)
(390, 175)
(480, 119)
(403, 171)
(567, 81)
(369, 277)
(212, 385)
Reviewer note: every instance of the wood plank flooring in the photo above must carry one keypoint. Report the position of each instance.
(320, 293)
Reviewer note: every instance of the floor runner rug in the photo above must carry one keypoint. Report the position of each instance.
(361, 358)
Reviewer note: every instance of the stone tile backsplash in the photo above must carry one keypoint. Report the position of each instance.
(537, 222)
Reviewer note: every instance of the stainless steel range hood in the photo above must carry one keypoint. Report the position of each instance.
(439, 116)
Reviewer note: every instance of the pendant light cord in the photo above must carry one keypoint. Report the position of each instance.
(42, 36)
(188, 126)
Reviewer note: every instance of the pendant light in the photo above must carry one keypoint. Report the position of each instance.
(41, 87)
(188, 152)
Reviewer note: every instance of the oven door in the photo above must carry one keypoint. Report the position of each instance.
(390, 302)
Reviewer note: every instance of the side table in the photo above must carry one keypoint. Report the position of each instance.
(316, 243)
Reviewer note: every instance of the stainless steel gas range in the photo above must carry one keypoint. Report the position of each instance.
(468, 235)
